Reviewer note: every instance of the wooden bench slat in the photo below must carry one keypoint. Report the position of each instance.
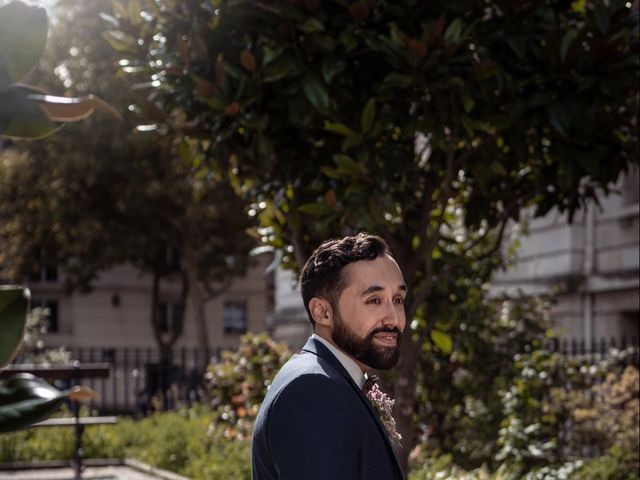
(59, 372)
(71, 421)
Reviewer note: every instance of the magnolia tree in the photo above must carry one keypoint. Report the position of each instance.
(431, 123)
(117, 195)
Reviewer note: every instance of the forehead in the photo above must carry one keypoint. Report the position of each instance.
(382, 271)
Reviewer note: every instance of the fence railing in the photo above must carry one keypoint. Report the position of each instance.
(141, 381)
(596, 349)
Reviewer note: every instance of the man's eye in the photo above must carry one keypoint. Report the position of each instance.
(373, 300)
(400, 301)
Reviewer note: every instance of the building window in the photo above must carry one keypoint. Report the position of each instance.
(45, 275)
(169, 316)
(234, 317)
(52, 316)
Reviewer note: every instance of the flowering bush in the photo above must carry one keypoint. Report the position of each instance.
(558, 410)
(240, 380)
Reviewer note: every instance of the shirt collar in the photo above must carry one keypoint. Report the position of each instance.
(347, 362)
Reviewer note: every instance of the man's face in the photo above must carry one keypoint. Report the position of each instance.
(370, 316)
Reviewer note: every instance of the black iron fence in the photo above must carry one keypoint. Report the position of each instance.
(141, 381)
(596, 349)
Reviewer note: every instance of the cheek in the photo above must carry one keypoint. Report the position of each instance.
(361, 321)
(403, 320)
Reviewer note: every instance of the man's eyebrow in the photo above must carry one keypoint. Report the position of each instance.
(377, 288)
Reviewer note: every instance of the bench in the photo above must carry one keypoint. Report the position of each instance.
(75, 373)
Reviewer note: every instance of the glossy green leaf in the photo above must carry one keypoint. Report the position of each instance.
(442, 340)
(14, 305)
(25, 400)
(498, 169)
(284, 66)
(119, 9)
(119, 40)
(23, 35)
(331, 68)
(339, 128)
(316, 92)
(26, 112)
(398, 80)
(518, 45)
(567, 41)
(467, 102)
(368, 115)
(311, 25)
(349, 165)
(331, 172)
(133, 7)
(22, 117)
(453, 32)
(317, 209)
(72, 109)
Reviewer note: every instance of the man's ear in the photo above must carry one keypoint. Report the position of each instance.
(321, 311)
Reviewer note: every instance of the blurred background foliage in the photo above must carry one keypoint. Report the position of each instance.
(433, 124)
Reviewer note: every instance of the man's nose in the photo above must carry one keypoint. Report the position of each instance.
(394, 315)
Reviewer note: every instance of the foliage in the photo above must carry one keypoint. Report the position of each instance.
(613, 415)
(24, 400)
(549, 406)
(25, 111)
(617, 464)
(33, 348)
(442, 468)
(117, 196)
(239, 383)
(188, 447)
(501, 397)
(431, 123)
(14, 305)
(459, 405)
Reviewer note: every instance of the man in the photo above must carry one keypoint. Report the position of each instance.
(315, 422)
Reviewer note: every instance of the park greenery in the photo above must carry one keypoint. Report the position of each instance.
(434, 124)
(214, 442)
(116, 196)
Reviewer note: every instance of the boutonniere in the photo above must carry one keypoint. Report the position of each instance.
(383, 404)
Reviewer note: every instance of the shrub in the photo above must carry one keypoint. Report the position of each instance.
(442, 468)
(240, 380)
(615, 465)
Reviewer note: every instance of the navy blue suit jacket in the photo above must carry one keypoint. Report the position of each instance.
(316, 424)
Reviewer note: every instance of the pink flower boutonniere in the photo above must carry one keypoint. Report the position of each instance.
(383, 404)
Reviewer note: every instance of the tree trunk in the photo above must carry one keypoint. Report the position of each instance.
(405, 396)
(196, 301)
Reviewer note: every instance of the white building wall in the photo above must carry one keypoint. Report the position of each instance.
(117, 312)
(592, 264)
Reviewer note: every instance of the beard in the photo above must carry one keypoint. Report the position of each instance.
(363, 349)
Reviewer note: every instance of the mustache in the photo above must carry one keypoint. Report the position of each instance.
(375, 331)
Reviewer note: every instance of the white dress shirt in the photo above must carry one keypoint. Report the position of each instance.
(347, 362)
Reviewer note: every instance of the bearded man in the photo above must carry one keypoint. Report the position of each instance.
(316, 422)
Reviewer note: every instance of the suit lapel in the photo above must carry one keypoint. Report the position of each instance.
(317, 348)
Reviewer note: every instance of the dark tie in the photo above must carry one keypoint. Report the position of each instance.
(369, 383)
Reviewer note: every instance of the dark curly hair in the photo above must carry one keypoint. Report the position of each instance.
(321, 276)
